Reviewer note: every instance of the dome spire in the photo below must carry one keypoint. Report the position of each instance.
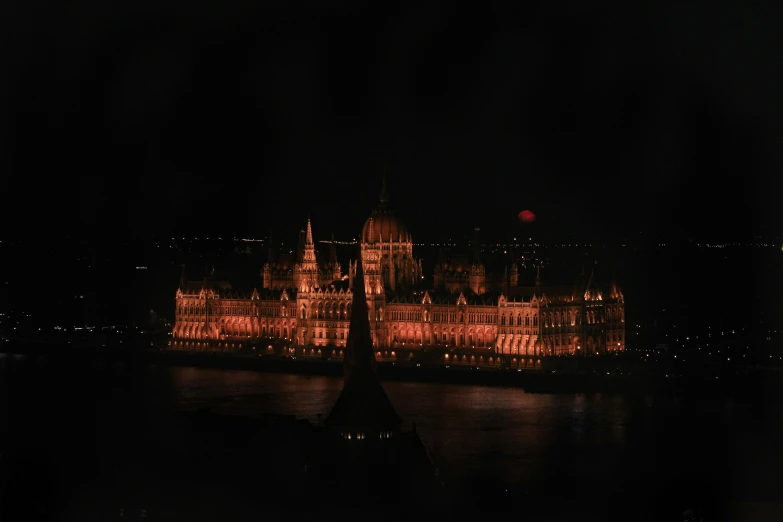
(384, 189)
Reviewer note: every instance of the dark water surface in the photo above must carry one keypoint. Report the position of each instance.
(573, 454)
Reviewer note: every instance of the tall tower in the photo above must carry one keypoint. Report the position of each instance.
(306, 271)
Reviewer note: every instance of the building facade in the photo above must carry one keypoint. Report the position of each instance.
(305, 306)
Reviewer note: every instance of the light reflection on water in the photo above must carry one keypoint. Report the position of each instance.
(576, 441)
(496, 432)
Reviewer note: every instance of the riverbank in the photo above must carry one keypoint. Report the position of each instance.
(388, 371)
(558, 375)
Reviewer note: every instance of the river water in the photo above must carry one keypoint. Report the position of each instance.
(635, 452)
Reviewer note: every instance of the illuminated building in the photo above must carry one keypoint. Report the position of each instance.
(479, 318)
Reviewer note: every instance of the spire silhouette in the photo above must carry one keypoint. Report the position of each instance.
(359, 353)
(363, 403)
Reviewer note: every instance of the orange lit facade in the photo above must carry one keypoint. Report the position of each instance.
(474, 317)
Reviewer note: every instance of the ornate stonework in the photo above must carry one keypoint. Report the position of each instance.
(305, 307)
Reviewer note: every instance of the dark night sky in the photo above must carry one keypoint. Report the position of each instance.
(223, 118)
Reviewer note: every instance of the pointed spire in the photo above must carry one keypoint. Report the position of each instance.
(384, 189)
(359, 353)
(538, 275)
(591, 288)
(615, 291)
(363, 403)
(309, 236)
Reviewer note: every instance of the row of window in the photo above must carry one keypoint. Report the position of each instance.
(344, 313)
(438, 316)
(476, 318)
(241, 310)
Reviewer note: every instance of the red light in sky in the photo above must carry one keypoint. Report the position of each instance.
(526, 216)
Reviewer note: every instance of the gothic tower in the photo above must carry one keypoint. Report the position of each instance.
(306, 274)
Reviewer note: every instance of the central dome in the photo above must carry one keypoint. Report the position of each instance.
(385, 225)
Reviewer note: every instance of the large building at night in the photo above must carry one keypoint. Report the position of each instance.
(479, 318)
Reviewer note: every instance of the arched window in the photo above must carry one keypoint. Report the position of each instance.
(527, 320)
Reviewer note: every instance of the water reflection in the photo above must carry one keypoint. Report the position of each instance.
(593, 444)
(503, 433)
